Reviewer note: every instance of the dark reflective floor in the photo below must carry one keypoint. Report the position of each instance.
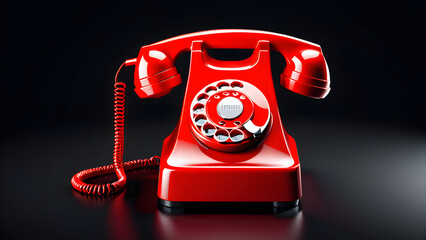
(195, 221)
(359, 182)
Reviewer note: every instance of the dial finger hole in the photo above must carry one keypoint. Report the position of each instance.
(211, 90)
(223, 85)
(198, 108)
(221, 135)
(226, 93)
(221, 123)
(236, 135)
(208, 129)
(242, 97)
(216, 96)
(237, 123)
(235, 93)
(202, 98)
(237, 85)
(200, 120)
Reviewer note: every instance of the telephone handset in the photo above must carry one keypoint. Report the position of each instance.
(306, 72)
(229, 144)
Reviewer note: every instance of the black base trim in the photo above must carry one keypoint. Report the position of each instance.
(172, 204)
(288, 205)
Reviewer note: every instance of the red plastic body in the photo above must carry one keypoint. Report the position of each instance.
(263, 167)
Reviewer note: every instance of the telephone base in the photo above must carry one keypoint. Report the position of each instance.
(277, 204)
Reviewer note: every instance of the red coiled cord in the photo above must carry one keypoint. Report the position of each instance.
(118, 166)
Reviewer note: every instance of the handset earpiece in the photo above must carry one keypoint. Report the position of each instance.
(155, 74)
(307, 74)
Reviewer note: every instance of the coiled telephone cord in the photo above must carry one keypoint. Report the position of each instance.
(118, 166)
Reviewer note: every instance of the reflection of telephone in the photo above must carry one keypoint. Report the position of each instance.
(229, 144)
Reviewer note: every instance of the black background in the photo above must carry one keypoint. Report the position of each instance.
(362, 148)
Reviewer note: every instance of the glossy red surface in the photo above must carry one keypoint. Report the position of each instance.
(268, 171)
(306, 72)
(262, 167)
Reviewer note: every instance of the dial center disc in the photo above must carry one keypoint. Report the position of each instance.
(230, 108)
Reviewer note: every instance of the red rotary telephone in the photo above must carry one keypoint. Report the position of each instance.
(229, 144)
